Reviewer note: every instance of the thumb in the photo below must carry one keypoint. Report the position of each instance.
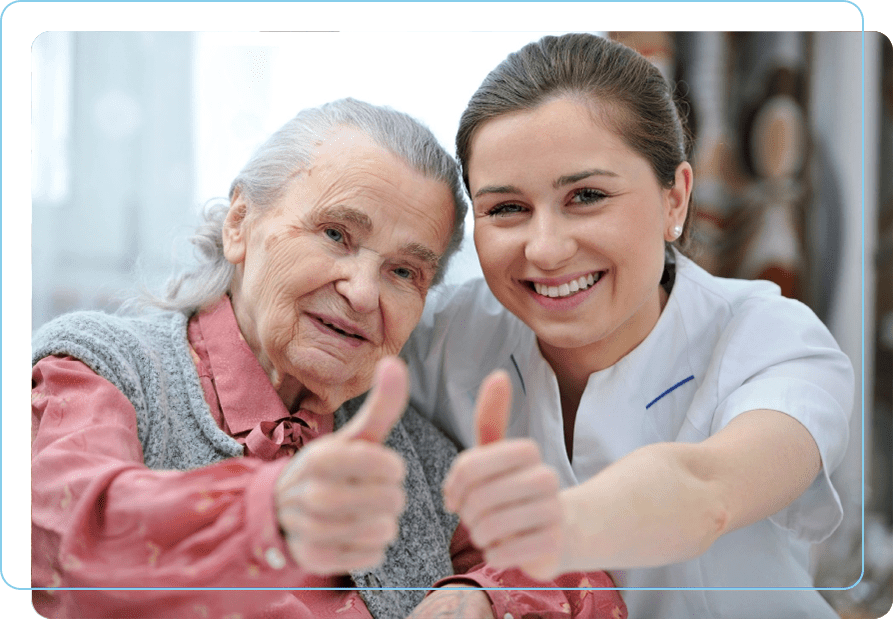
(383, 406)
(493, 407)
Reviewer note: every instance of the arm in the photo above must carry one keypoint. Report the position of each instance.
(660, 504)
(100, 518)
(677, 499)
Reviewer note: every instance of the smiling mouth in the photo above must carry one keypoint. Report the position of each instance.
(568, 289)
(340, 330)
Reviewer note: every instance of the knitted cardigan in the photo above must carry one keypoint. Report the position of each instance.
(147, 358)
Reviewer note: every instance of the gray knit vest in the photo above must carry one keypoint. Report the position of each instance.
(147, 358)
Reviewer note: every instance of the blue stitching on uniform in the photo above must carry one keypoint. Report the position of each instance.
(518, 370)
(679, 384)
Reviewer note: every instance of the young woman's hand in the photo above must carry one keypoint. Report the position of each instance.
(505, 495)
(340, 498)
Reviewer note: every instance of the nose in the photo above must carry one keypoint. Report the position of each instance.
(360, 284)
(550, 241)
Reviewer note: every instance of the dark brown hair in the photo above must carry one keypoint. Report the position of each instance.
(627, 89)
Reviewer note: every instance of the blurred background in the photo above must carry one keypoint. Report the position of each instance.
(133, 132)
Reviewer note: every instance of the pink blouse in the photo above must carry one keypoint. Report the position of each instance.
(101, 518)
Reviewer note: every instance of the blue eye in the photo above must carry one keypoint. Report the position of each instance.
(335, 234)
(403, 273)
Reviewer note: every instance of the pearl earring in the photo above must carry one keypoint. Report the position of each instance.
(677, 232)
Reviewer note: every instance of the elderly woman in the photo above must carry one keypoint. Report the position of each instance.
(204, 444)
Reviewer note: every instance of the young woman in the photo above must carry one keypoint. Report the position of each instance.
(691, 422)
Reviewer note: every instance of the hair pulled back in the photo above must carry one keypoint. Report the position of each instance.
(617, 82)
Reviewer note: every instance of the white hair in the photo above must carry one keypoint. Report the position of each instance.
(266, 175)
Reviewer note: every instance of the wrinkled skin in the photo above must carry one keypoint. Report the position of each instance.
(329, 282)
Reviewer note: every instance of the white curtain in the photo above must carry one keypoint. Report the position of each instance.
(112, 163)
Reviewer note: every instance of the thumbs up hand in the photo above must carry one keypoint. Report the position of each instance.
(505, 495)
(340, 498)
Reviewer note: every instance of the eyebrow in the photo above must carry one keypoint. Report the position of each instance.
(422, 253)
(561, 181)
(496, 189)
(347, 215)
(361, 219)
(570, 179)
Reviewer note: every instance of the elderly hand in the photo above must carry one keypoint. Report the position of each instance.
(503, 492)
(454, 602)
(340, 498)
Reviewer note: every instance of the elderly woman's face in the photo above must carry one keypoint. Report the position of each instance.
(334, 276)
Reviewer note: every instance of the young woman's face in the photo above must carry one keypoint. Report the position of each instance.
(570, 225)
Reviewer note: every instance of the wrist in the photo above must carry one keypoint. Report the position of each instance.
(455, 601)
(579, 528)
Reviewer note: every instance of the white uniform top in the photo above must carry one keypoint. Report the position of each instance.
(720, 347)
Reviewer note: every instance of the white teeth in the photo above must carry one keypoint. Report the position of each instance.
(564, 290)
